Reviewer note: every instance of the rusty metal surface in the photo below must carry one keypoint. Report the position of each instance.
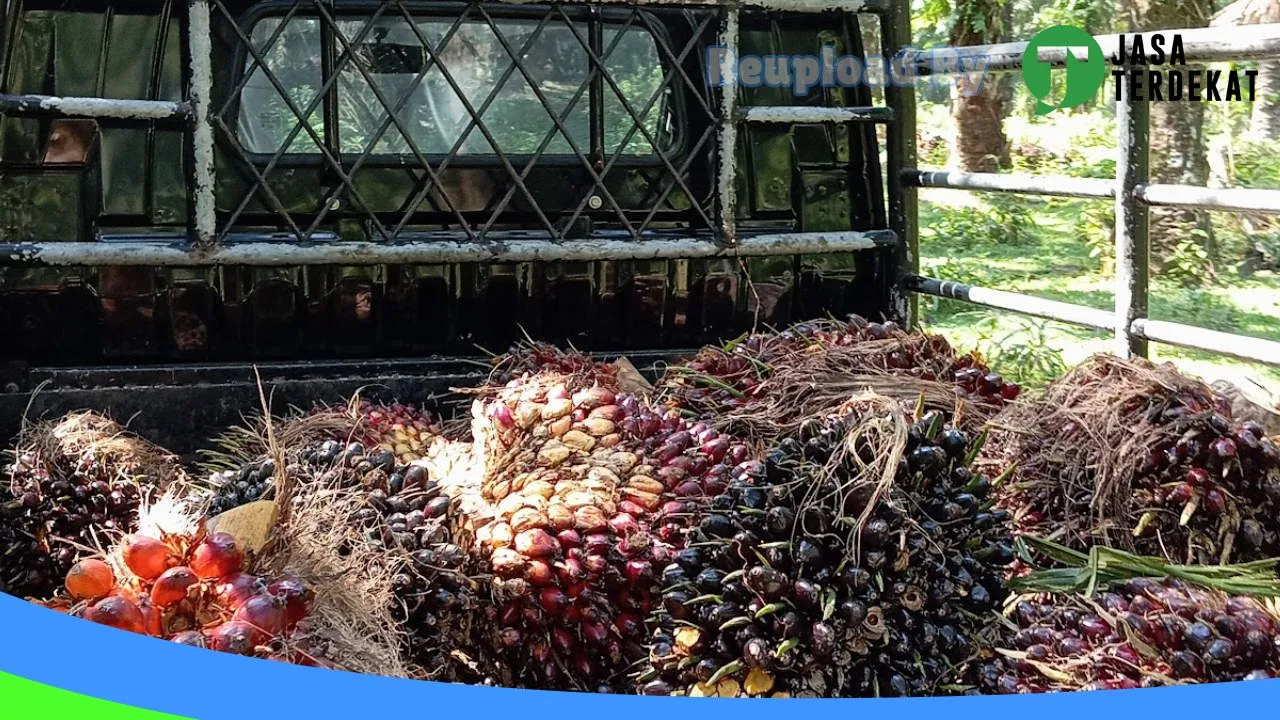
(510, 248)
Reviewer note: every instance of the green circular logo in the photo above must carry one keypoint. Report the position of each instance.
(1086, 68)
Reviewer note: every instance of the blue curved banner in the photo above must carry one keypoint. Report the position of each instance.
(95, 661)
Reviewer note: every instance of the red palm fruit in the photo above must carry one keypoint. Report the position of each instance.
(623, 524)
(553, 600)
(231, 592)
(597, 543)
(217, 556)
(631, 507)
(539, 573)
(595, 564)
(192, 638)
(628, 625)
(571, 571)
(90, 580)
(638, 571)
(118, 612)
(265, 613)
(1215, 502)
(510, 613)
(152, 618)
(536, 543)
(1180, 494)
(571, 616)
(563, 641)
(297, 599)
(569, 538)
(594, 632)
(506, 562)
(1224, 448)
(582, 666)
(172, 586)
(233, 637)
(1198, 477)
(145, 556)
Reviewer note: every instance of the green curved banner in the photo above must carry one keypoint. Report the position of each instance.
(22, 699)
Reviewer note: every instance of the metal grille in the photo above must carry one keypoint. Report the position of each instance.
(609, 185)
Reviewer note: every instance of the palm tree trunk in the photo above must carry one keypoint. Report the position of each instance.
(978, 104)
(1178, 148)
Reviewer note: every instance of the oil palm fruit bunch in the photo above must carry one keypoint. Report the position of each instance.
(719, 379)
(23, 564)
(75, 483)
(195, 590)
(1135, 455)
(540, 357)
(405, 430)
(583, 494)
(406, 513)
(252, 481)
(1140, 633)
(807, 579)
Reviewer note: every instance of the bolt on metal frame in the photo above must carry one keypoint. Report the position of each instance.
(1130, 191)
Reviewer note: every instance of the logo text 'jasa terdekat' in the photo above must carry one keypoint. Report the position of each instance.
(1153, 67)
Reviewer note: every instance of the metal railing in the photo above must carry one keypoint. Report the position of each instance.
(1129, 190)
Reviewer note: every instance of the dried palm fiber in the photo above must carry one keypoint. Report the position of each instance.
(575, 492)
(766, 384)
(73, 480)
(316, 538)
(247, 442)
(1140, 457)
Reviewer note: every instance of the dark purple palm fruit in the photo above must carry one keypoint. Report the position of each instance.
(583, 500)
(252, 481)
(774, 599)
(26, 570)
(1170, 630)
(78, 478)
(405, 511)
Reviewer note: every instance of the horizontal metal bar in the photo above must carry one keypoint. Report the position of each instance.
(88, 107)
(1199, 44)
(1017, 302)
(1005, 182)
(436, 251)
(1227, 199)
(1189, 336)
(802, 6)
(799, 114)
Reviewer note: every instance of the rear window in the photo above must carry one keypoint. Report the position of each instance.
(431, 111)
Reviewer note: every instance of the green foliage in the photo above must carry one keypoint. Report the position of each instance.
(1187, 262)
(1253, 163)
(1096, 225)
(1026, 354)
(999, 220)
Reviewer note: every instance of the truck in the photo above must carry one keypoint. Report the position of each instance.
(321, 196)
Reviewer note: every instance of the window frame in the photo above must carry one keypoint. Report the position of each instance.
(584, 18)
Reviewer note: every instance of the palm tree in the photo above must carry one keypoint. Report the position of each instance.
(977, 102)
(1264, 120)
